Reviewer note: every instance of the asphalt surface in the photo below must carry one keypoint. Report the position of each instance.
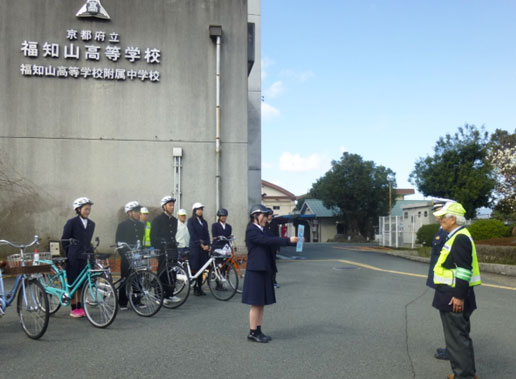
(335, 318)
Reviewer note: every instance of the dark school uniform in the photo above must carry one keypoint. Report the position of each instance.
(198, 230)
(163, 236)
(74, 228)
(130, 232)
(261, 265)
(217, 229)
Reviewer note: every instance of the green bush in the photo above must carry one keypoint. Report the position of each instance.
(426, 233)
(487, 229)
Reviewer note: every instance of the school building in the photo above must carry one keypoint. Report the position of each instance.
(122, 100)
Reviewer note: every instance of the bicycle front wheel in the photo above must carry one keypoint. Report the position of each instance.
(177, 286)
(145, 292)
(223, 284)
(99, 301)
(33, 308)
(52, 280)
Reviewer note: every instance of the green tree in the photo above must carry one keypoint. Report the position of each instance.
(359, 189)
(502, 156)
(459, 169)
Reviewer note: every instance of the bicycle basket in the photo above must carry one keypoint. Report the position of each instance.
(137, 259)
(18, 265)
(222, 252)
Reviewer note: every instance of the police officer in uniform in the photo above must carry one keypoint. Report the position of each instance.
(130, 231)
(437, 245)
(163, 236)
(456, 273)
(258, 282)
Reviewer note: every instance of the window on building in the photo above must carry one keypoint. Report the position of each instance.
(419, 214)
(405, 215)
(275, 207)
(426, 213)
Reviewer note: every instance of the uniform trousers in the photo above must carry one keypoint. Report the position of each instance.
(456, 326)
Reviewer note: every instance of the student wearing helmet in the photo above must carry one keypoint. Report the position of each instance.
(144, 218)
(199, 243)
(163, 236)
(258, 282)
(81, 229)
(221, 227)
(129, 231)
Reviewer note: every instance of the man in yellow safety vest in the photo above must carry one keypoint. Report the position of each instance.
(456, 273)
(144, 217)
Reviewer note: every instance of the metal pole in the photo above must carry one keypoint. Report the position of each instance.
(217, 135)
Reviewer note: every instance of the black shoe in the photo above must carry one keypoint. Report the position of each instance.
(198, 292)
(443, 354)
(261, 338)
(266, 337)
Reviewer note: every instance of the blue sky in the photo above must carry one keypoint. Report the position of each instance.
(382, 79)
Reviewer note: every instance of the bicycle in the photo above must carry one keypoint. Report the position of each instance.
(143, 287)
(175, 281)
(221, 276)
(98, 294)
(238, 263)
(32, 305)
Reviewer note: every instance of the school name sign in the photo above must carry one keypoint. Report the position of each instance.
(54, 60)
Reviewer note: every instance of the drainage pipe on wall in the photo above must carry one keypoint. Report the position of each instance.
(216, 35)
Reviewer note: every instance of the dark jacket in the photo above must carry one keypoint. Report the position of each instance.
(130, 231)
(198, 233)
(164, 228)
(74, 228)
(217, 230)
(260, 248)
(460, 256)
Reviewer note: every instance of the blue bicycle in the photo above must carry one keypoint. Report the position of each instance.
(98, 294)
(32, 305)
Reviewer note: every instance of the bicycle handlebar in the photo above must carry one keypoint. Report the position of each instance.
(18, 246)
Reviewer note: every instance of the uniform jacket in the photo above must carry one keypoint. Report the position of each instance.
(260, 247)
(217, 230)
(164, 228)
(74, 228)
(198, 233)
(130, 231)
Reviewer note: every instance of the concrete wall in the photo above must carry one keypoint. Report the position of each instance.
(254, 111)
(112, 141)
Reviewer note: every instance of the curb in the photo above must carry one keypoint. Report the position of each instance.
(508, 270)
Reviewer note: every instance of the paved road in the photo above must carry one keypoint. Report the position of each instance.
(333, 319)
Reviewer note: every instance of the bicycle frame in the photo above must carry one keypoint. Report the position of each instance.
(67, 291)
(7, 299)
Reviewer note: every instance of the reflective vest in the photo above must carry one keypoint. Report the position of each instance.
(447, 276)
(146, 236)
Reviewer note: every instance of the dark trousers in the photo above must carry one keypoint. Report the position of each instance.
(456, 328)
(124, 272)
(167, 282)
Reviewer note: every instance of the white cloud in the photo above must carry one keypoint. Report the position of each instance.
(297, 163)
(266, 165)
(268, 111)
(275, 89)
(301, 76)
(266, 63)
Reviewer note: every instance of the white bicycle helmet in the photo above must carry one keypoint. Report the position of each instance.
(197, 206)
(144, 210)
(132, 206)
(167, 199)
(80, 202)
